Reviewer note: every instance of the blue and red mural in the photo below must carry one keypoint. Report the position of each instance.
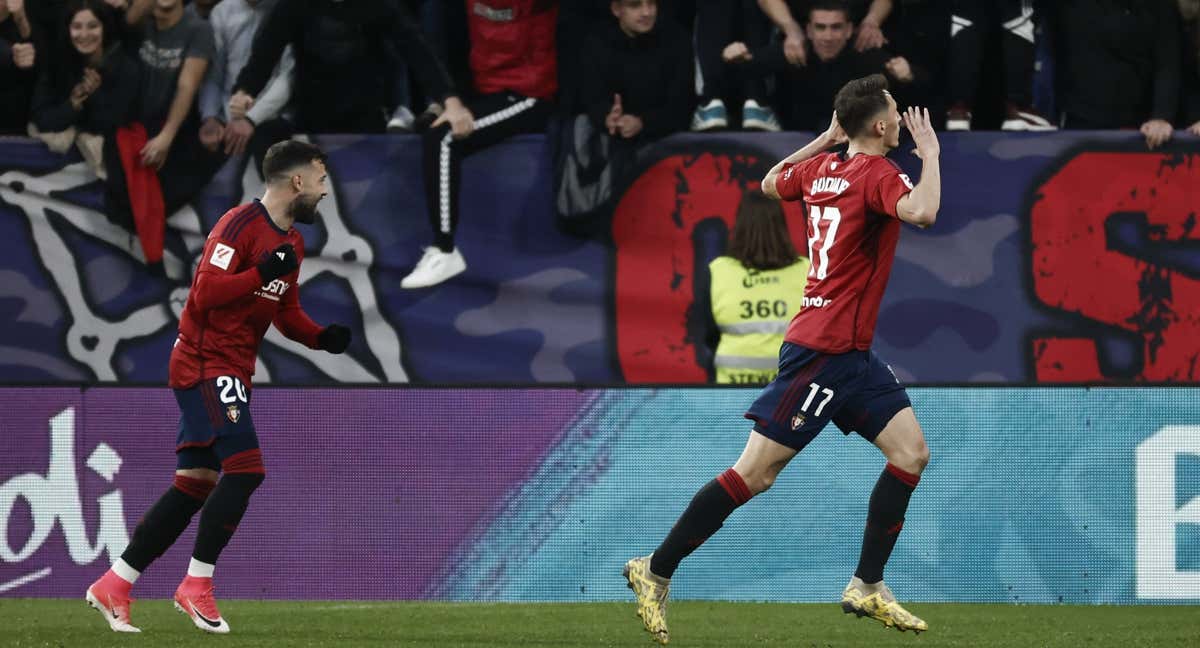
(1066, 257)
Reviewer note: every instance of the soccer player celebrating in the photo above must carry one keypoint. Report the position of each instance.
(827, 371)
(247, 279)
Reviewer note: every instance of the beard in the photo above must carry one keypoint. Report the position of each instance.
(304, 210)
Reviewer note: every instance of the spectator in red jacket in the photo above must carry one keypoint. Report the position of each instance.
(514, 64)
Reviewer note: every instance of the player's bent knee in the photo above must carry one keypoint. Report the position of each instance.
(760, 482)
(912, 459)
(248, 462)
(245, 483)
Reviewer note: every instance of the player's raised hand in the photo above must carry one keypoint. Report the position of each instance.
(334, 338)
(835, 134)
(918, 123)
(278, 262)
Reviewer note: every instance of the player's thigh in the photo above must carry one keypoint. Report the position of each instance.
(903, 442)
(873, 403)
(215, 424)
(809, 390)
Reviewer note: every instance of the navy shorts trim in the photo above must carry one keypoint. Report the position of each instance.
(855, 390)
(214, 423)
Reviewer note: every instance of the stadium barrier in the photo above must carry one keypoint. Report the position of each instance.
(1062, 257)
(1034, 495)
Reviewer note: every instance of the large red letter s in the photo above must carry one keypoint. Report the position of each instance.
(1084, 263)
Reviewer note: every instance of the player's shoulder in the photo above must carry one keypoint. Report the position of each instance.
(881, 164)
(237, 221)
(814, 165)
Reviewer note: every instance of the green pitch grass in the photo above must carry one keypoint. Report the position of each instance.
(31, 622)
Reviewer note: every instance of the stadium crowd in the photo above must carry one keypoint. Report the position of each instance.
(158, 94)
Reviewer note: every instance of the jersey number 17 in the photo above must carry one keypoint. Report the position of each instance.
(822, 241)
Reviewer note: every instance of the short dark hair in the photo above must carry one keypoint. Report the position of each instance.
(858, 102)
(829, 5)
(283, 158)
(760, 237)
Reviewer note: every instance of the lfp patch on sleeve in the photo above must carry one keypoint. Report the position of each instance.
(222, 255)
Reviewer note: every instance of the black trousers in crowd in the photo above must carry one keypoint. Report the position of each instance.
(497, 117)
(970, 26)
(719, 23)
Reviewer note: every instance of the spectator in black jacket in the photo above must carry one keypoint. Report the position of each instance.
(1118, 65)
(637, 82)
(1190, 12)
(20, 55)
(806, 92)
(91, 81)
(344, 79)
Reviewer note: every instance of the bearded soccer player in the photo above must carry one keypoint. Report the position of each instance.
(827, 372)
(247, 279)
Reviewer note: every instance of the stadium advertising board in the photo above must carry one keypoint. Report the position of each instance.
(1039, 495)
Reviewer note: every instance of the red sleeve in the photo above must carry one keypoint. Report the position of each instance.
(293, 322)
(789, 184)
(890, 185)
(216, 284)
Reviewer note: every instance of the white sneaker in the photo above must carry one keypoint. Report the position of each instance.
(401, 121)
(758, 117)
(435, 267)
(710, 116)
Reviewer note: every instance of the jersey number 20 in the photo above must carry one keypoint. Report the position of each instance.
(820, 263)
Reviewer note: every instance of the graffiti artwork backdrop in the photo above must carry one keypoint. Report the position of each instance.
(1038, 495)
(1068, 257)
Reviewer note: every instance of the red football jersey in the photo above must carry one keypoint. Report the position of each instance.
(852, 233)
(228, 309)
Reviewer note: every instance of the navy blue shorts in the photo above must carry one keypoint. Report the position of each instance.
(855, 390)
(214, 423)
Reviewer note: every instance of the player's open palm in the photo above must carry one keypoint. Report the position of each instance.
(919, 124)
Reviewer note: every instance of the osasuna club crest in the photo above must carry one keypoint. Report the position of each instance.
(797, 421)
(233, 412)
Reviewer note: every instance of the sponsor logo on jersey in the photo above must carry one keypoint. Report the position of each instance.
(905, 179)
(829, 185)
(222, 256)
(233, 413)
(815, 302)
(273, 290)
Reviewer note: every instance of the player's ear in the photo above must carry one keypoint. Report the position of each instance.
(297, 182)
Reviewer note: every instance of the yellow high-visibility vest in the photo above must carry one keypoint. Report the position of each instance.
(752, 309)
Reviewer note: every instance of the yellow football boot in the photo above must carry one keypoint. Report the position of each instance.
(876, 601)
(651, 593)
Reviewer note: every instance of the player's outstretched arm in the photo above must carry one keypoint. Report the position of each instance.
(920, 206)
(832, 136)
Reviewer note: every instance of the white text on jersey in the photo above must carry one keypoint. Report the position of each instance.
(829, 185)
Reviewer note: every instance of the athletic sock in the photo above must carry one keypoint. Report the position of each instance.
(160, 527)
(714, 502)
(885, 518)
(222, 513)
